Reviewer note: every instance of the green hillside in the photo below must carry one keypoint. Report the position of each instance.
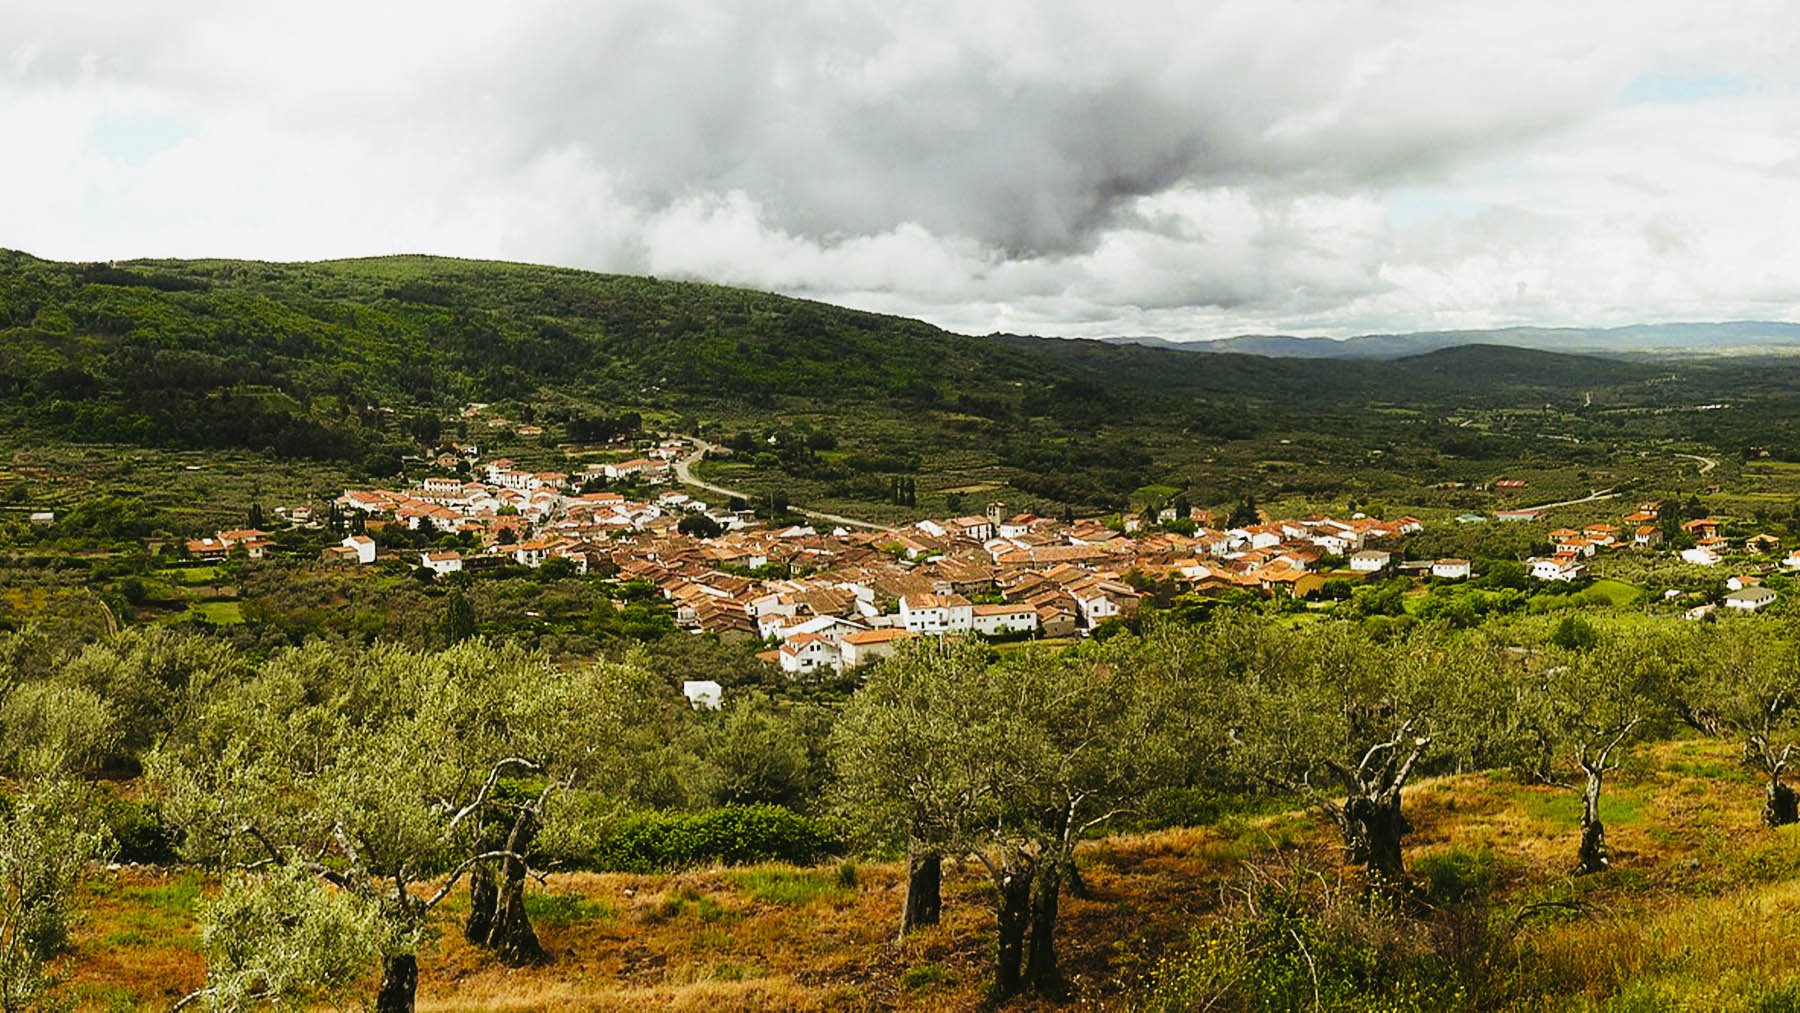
(356, 362)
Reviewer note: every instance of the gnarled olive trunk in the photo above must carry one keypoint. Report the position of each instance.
(1372, 829)
(1369, 819)
(1594, 856)
(1781, 804)
(1015, 922)
(399, 983)
(507, 925)
(1073, 881)
(924, 891)
(483, 894)
(1040, 958)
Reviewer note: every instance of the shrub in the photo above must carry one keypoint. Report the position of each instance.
(1321, 947)
(138, 831)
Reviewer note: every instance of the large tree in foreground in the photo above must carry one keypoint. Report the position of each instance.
(50, 825)
(380, 771)
(1085, 743)
(906, 751)
(1011, 763)
(48, 834)
(1348, 721)
(1602, 692)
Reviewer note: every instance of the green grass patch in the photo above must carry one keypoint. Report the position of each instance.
(560, 909)
(158, 914)
(1617, 592)
(922, 976)
(1563, 808)
(190, 575)
(788, 887)
(219, 613)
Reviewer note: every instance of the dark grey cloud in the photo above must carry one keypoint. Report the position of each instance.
(1186, 168)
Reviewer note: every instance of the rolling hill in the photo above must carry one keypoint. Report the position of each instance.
(359, 361)
(1682, 340)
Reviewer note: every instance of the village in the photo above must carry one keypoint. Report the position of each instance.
(833, 599)
(830, 598)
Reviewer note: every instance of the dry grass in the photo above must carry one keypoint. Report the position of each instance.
(1695, 914)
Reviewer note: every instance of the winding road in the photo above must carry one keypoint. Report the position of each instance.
(684, 471)
(1706, 463)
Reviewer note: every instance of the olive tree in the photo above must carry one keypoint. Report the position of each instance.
(283, 938)
(905, 753)
(567, 730)
(1348, 721)
(49, 827)
(1601, 697)
(48, 835)
(1010, 763)
(1743, 678)
(376, 770)
(152, 680)
(1084, 743)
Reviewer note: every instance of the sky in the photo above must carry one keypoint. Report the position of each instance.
(1184, 170)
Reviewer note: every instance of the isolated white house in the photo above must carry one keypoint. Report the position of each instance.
(703, 694)
(1700, 555)
(441, 563)
(1450, 569)
(364, 547)
(1370, 561)
(1749, 599)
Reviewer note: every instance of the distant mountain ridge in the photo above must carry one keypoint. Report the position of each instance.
(1742, 337)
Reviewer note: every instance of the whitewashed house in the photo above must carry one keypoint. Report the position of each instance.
(1004, 620)
(936, 613)
(441, 563)
(1450, 569)
(363, 546)
(1749, 599)
(864, 646)
(703, 694)
(809, 653)
(1554, 568)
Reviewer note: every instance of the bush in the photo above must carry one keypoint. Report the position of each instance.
(138, 831)
(1324, 948)
(731, 835)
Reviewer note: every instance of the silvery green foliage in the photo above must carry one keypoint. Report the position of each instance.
(47, 838)
(284, 938)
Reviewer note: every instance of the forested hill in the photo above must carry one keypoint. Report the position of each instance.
(320, 359)
(1661, 341)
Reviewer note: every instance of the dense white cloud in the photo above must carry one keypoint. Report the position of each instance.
(1189, 170)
